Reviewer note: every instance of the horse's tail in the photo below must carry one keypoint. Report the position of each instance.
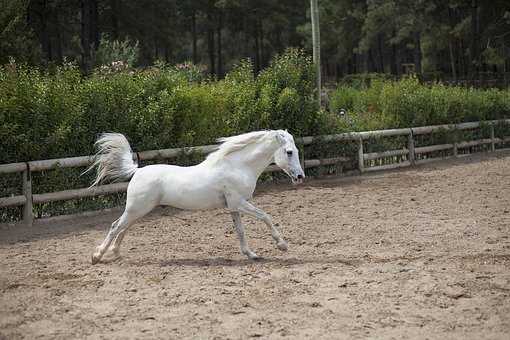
(113, 159)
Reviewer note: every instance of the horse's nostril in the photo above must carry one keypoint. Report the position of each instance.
(299, 176)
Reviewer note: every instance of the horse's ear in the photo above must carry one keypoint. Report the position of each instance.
(280, 137)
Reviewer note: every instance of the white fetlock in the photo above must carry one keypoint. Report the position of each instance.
(96, 256)
(251, 255)
(282, 245)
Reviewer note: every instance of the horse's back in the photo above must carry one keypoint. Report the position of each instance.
(189, 188)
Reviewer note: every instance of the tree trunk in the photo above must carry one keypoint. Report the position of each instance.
(417, 53)
(194, 35)
(37, 19)
(452, 60)
(156, 49)
(394, 60)
(86, 62)
(89, 33)
(278, 41)
(59, 52)
(381, 52)
(45, 36)
(474, 50)
(114, 5)
(210, 42)
(314, 13)
(338, 72)
(257, 48)
(451, 42)
(94, 24)
(220, 58)
(371, 65)
(167, 53)
(262, 56)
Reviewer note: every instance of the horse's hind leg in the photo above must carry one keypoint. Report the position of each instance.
(115, 247)
(119, 225)
(118, 229)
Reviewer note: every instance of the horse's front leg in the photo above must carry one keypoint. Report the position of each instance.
(245, 249)
(249, 209)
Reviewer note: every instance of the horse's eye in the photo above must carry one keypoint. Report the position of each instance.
(289, 153)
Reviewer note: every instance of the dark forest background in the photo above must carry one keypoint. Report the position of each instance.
(447, 39)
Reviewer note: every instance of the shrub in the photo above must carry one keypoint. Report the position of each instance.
(60, 113)
(34, 112)
(288, 82)
(109, 52)
(404, 103)
(242, 98)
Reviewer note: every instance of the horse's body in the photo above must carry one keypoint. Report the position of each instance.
(227, 178)
(188, 188)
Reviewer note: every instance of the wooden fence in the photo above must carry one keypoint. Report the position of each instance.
(406, 156)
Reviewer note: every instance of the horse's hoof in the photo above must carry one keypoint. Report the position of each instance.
(95, 259)
(253, 256)
(282, 245)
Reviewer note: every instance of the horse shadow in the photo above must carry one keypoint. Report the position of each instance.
(227, 262)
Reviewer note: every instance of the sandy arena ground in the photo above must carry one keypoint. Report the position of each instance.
(417, 253)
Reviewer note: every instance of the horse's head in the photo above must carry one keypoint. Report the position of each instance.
(287, 157)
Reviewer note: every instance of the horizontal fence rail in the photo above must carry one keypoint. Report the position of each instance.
(407, 156)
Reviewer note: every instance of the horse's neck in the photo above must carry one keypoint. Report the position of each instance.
(256, 157)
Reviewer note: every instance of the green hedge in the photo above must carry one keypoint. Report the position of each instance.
(405, 103)
(58, 113)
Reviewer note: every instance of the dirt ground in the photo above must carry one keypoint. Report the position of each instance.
(417, 253)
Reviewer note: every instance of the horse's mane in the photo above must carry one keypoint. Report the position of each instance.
(235, 143)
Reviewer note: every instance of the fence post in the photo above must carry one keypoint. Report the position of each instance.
(361, 161)
(28, 214)
(455, 139)
(493, 142)
(410, 146)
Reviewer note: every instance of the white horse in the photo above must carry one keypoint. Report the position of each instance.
(226, 178)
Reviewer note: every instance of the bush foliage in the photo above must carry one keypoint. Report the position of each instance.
(406, 103)
(114, 51)
(59, 113)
